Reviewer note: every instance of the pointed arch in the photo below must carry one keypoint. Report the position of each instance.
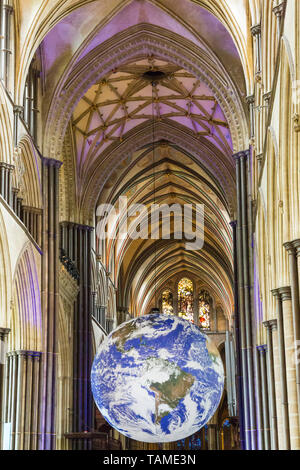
(26, 322)
(5, 276)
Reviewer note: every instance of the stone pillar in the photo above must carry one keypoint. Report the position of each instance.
(296, 244)
(4, 332)
(245, 305)
(286, 298)
(5, 50)
(251, 101)
(238, 379)
(50, 299)
(14, 203)
(22, 393)
(256, 33)
(18, 113)
(271, 327)
(259, 402)
(212, 437)
(283, 370)
(5, 181)
(264, 395)
(294, 277)
(279, 12)
(76, 241)
(32, 219)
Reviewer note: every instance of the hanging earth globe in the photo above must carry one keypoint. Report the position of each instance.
(157, 378)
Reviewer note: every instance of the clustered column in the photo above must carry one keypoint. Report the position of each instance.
(76, 242)
(271, 326)
(5, 181)
(32, 219)
(293, 249)
(245, 305)
(49, 298)
(286, 340)
(21, 397)
(238, 378)
(286, 444)
(264, 398)
(212, 437)
(4, 332)
(30, 216)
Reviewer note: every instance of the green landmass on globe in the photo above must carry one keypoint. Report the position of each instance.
(172, 390)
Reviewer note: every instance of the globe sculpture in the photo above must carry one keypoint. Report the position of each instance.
(157, 378)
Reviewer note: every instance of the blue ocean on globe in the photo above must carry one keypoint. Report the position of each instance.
(157, 378)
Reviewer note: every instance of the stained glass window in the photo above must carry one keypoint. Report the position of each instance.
(167, 303)
(186, 299)
(204, 309)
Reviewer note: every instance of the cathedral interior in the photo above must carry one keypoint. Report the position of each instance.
(162, 102)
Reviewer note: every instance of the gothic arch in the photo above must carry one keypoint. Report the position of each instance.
(26, 309)
(47, 16)
(30, 180)
(126, 47)
(6, 138)
(5, 276)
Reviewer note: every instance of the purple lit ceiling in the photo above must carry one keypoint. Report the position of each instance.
(126, 99)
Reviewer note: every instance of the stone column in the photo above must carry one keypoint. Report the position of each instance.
(4, 332)
(50, 299)
(256, 33)
(245, 305)
(22, 398)
(259, 402)
(292, 251)
(271, 327)
(296, 244)
(238, 379)
(279, 12)
(264, 395)
(286, 298)
(32, 219)
(283, 371)
(14, 204)
(212, 437)
(5, 181)
(76, 241)
(6, 13)
(251, 101)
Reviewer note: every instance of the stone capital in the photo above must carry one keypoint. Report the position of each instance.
(296, 245)
(286, 293)
(51, 162)
(296, 122)
(289, 246)
(256, 30)
(275, 293)
(4, 332)
(262, 348)
(18, 109)
(271, 324)
(267, 96)
(242, 154)
(250, 99)
(77, 226)
(279, 9)
(7, 166)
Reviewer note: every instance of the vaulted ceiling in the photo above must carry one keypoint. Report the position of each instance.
(146, 99)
